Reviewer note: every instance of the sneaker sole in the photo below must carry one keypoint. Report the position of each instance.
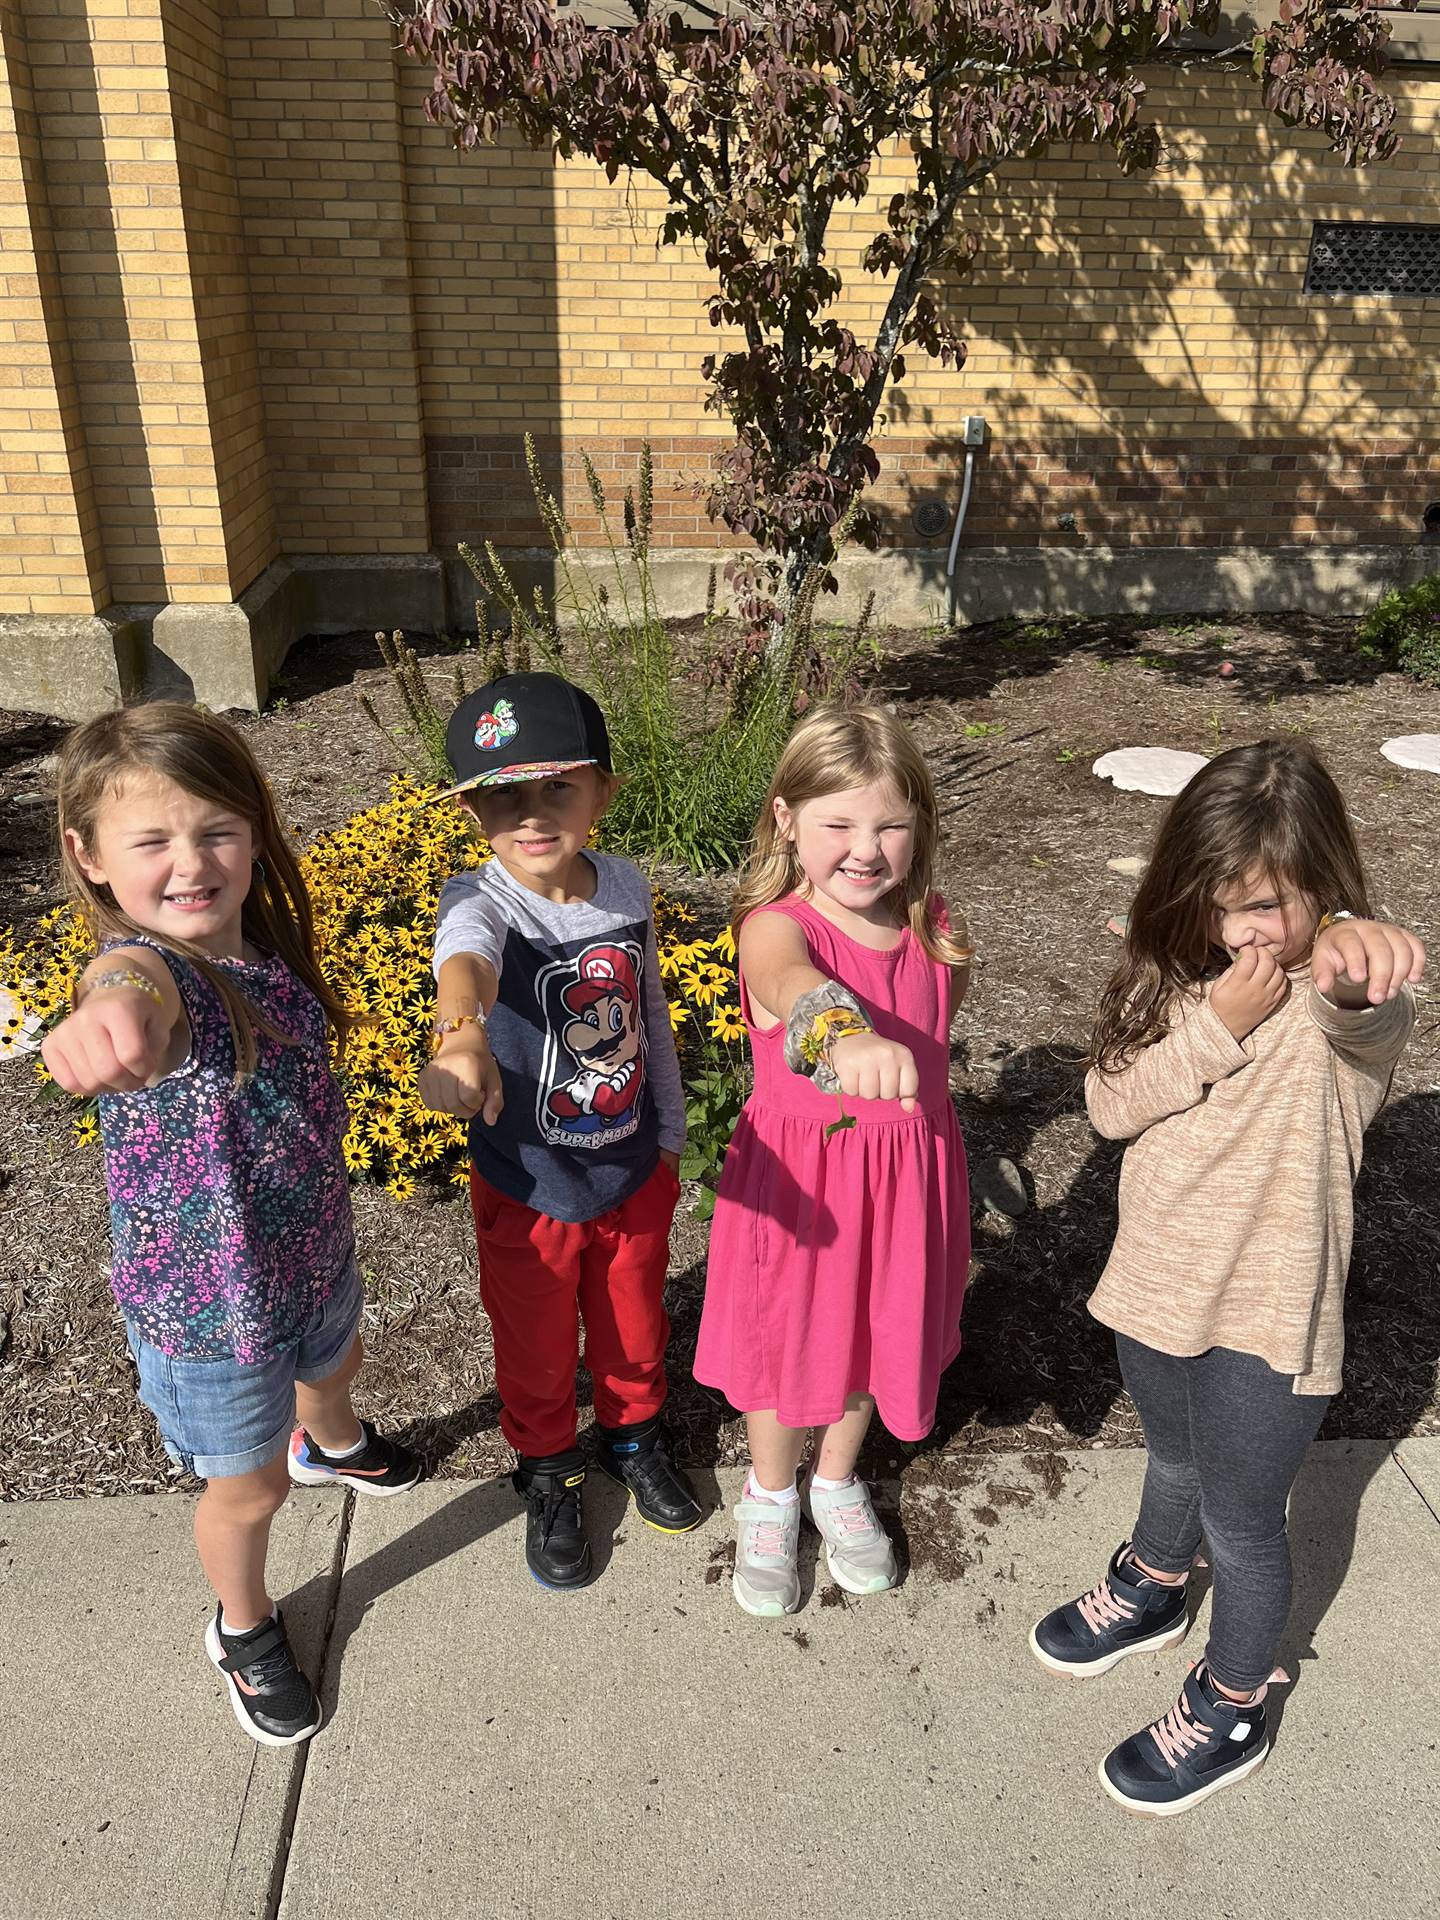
(1154, 1810)
(216, 1654)
(324, 1477)
(570, 1586)
(1092, 1669)
(849, 1581)
(657, 1526)
(764, 1609)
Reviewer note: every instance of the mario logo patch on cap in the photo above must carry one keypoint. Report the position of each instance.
(494, 729)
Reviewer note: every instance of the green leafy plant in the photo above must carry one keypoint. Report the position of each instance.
(714, 1099)
(696, 720)
(984, 729)
(1404, 628)
(417, 735)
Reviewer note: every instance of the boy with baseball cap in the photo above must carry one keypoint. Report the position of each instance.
(553, 1039)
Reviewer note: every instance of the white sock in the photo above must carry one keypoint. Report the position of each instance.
(239, 1632)
(831, 1486)
(754, 1491)
(343, 1453)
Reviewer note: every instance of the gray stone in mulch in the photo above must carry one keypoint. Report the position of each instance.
(1133, 864)
(999, 1187)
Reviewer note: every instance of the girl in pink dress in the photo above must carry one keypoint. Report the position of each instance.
(841, 1242)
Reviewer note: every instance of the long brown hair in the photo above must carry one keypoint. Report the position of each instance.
(1269, 808)
(209, 759)
(833, 750)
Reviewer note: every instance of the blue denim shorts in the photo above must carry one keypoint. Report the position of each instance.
(218, 1418)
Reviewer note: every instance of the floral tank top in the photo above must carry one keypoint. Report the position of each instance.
(229, 1203)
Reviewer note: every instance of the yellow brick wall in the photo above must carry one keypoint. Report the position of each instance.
(50, 557)
(320, 168)
(105, 108)
(254, 304)
(220, 282)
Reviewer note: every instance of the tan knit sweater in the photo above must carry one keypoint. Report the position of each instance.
(1235, 1192)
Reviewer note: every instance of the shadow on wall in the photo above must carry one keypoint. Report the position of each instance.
(1174, 385)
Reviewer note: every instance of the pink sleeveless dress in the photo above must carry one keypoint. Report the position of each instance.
(839, 1266)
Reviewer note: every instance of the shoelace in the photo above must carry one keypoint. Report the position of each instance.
(1179, 1733)
(1102, 1607)
(277, 1662)
(551, 1504)
(855, 1518)
(767, 1539)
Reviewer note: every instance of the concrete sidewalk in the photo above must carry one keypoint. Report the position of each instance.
(645, 1748)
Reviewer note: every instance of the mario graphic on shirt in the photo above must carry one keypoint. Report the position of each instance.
(601, 1033)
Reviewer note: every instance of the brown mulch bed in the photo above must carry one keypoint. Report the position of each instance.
(1012, 724)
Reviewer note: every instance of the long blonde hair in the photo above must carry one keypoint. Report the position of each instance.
(833, 750)
(1270, 808)
(208, 759)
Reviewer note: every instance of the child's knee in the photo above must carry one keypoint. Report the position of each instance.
(248, 1499)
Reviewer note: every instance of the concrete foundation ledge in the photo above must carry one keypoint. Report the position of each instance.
(226, 656)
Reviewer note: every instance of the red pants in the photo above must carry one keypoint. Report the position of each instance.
(539, 1277)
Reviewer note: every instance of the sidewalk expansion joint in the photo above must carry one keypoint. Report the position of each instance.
(281, 1864)
(1424, 1498)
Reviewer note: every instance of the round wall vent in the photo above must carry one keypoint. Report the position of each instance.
(931, 517)
(1432, 517)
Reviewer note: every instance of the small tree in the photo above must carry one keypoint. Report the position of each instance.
(760, 124)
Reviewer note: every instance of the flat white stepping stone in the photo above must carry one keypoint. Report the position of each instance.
(1149, 769)
(1133, 864)
(1418, 750)
(20, 1039)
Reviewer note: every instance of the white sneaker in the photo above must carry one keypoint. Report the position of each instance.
(858, 1552)
(767, 1536)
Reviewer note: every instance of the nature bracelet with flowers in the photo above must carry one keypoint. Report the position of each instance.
(818, 1019)
(125, 977)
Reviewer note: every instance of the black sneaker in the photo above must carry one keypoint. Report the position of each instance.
(639, 1458)
(556, 1550)
(1204, 1743)
(273, 1700)
(1126, 1613)
(381, 1466)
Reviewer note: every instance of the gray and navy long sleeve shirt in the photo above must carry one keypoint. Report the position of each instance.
(581, 1034)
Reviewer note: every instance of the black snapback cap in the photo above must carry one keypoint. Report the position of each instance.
(524, 726)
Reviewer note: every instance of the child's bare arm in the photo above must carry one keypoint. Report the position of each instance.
(776, 964)
(128, 1029)
(778, 969)
(463, 1078)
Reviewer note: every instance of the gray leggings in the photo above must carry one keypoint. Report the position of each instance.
(1226, 1436)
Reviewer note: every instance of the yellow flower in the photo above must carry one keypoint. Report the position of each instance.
(87, 1130)
(400, 1186)
(357, 1154)
(699, 988)
(678, 1015)
(727, 1023)
(724, 944)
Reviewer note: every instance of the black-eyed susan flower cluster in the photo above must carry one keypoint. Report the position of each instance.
(374, 887)
(38, 976)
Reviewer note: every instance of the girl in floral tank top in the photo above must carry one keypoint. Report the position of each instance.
(203, 1026)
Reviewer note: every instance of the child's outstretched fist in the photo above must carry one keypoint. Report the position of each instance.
(1361, 963)
(869, 1067)
(118, 1039)
(464, 1079)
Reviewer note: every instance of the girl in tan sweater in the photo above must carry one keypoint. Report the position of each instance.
(1242, 1048)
